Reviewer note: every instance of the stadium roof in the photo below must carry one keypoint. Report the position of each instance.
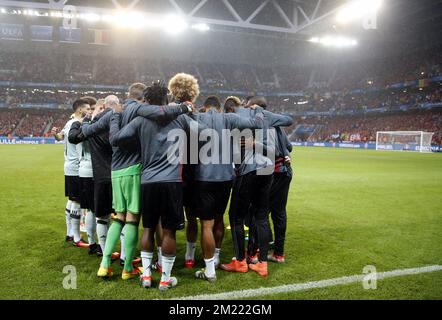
(399, 18)
(283, 16)
(254, 28)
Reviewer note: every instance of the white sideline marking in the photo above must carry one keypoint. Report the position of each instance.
(241, 294)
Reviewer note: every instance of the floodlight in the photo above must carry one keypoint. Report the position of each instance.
(357, 9)
(129, 19)
(201, 27)
(91, 17)
(334, 41)
(174, 24)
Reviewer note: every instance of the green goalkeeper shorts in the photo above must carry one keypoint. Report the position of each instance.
(126, 184)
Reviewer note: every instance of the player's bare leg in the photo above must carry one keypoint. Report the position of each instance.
(208, 246)
(147, 248)
(168, 247)
(218, 233)
(159, 240)
(191, 235)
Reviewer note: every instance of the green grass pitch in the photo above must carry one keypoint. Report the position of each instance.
(346, 209)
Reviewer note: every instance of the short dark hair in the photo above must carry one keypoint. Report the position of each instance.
(136, 91)
(156, 93)
(231, 103)
(260, 101)
(212, 101)
(247, 99)
(91, 100)
(79, 103)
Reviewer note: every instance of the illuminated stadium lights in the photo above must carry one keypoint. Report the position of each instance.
(128, 19)
(357, 9)
(175, 25)
(56, 14)
(107, 18)
(91, 17)
(30, 12)
(201, 27)
(154, 22)
(171, 24)
(334, 41)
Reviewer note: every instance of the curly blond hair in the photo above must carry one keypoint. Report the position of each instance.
(184, 87)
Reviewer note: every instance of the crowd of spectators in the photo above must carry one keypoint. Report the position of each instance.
(363, 128)
(31, 122)
(333, 89)
(347, 128)
(388, 99)
(111, 70)
(9, 119)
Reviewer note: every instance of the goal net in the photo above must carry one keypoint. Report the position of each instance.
(404, 141)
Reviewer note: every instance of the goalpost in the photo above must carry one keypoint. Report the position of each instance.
(418, 141)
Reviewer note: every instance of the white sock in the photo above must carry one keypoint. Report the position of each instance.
(102, 228)
(68, 218)
(216, 255)
(83, 221)
(75, 221)
(167, 267)
(190, 250)
(90, 226)
(210, 267)
(122, 253)
(146, 258)
(160, 256)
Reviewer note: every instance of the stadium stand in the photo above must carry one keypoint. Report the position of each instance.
(326, 96)
(364, 128)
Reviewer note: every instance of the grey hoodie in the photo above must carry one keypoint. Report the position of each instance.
(219, 122)
(153, 140)
(255, 160)
(123, 158)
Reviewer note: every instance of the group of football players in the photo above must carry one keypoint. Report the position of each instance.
(142, 160)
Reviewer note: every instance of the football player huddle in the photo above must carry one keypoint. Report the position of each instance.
(157, 159)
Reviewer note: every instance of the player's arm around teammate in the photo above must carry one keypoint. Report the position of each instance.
(214, 181)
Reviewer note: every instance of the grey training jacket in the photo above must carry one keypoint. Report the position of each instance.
(256, 160)
(129, 155)
(220, 122)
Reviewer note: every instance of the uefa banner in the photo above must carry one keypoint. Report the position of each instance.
(361, 145)
(70, 35)
(364, 146)
(41, 33)
(41, 105)
(11, 31)
(6, 140)
(336, 145)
